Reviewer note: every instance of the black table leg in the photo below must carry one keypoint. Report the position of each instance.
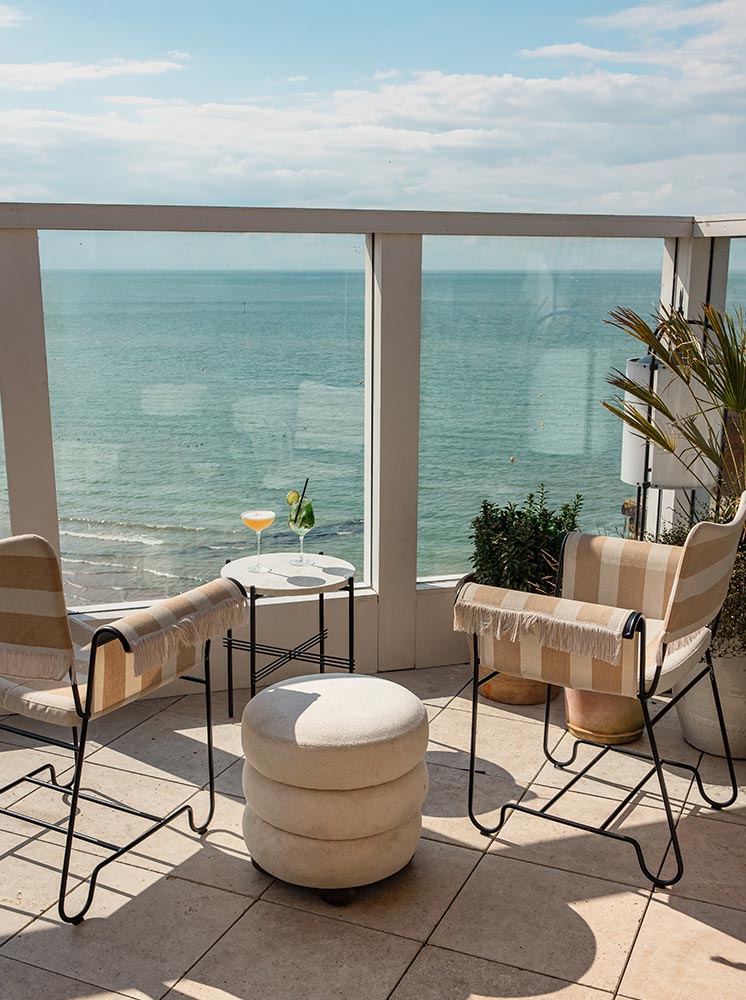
(321, 633)
(252, 640)
(229, 655)
(351, 623)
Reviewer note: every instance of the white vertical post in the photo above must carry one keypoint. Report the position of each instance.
(24, 389)
(694, 274)
(395, 284)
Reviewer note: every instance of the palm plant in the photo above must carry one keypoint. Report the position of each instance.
(708, 361)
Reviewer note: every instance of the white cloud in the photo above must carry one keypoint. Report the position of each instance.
(385, 74)
(666, 16)
(47, 76)
(296, 79)
(668, 138)
(10, 17)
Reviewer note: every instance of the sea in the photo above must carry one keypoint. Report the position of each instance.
(181, 398)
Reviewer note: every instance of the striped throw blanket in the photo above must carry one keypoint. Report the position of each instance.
(577, 627)
(156, 633)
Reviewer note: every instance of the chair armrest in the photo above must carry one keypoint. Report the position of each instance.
(619, 572)
(576, 627)
(160, 643)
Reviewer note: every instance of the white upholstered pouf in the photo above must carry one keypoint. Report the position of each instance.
(334, 779)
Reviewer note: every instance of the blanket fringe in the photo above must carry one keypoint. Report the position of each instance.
(582, 638)
(33, 662)
(152, 651)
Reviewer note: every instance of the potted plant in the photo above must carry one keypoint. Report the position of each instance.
(708, 362)
(518, 547)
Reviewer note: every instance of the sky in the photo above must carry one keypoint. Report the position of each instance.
(488, 105)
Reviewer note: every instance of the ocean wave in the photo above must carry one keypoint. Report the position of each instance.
(139, 525)
(113, 538)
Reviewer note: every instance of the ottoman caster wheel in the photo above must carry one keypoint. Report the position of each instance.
(262, 871)
(338, 897)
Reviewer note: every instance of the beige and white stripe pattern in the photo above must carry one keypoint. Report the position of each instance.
(703, 576)
(166, 640)
(544, 654)
(679, 591)
(35, 637)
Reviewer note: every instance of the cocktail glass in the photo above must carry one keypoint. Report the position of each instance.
(301, 521)
(258, 520)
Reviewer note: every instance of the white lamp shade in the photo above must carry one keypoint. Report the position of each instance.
(663, 470)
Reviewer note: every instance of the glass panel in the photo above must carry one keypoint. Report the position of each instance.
(514, 357)
(736, 296)
(4, 510)
(182, 397)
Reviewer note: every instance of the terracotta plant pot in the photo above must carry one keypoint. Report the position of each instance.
(605, 718)
(511, 690)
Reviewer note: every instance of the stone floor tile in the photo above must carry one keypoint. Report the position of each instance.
(100, 732)
(714, 861)
(111, 784)
(434, 685)
(229, 781)
(30, 878)
(278, 953)
(172, 746)
(552, 922)
(615, 775)
(17, 761)
(714, 771)
(508, 748)
(437, 974)
(142, 932)
(445, 814)
(218, 858)
(687, 950)
(531, 838)
(19, 981)
(526, 713)
(410, 903)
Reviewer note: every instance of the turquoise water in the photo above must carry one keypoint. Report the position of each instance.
(179, 399)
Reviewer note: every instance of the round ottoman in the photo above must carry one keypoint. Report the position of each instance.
(334, 779)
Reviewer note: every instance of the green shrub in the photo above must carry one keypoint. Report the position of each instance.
(519, 547)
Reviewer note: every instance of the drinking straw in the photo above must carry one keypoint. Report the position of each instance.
(300, 502)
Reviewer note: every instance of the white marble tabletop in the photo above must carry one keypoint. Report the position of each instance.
(285, 580)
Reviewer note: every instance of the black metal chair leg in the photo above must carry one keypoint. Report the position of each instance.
(714, 803)
(210, 753)
(75, 792)
(658, 881)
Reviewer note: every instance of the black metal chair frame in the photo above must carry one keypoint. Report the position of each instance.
(635, 625)
(103, 635)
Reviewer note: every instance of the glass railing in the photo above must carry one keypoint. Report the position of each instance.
(4, 509)
(515, 352)
(736, 296)
(189, 383)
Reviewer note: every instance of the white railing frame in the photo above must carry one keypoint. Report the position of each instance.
(408, 622)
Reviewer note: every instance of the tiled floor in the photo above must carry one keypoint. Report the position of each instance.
(540, 911)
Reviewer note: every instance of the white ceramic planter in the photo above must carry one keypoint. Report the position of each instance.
(697, 709)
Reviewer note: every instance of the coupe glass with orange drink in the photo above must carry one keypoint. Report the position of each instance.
(258, 520)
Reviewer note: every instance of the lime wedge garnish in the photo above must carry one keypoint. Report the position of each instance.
(292, 497)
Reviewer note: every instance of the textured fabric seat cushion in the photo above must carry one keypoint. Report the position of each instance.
(46, 700)
(334, 731)
(339, 814)
(330, 864)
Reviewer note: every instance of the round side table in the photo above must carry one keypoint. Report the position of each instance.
(325, 576)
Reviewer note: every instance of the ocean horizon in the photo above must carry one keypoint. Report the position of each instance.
(182, 397)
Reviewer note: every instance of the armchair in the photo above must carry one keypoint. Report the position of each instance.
(41, 678)
(630, 618)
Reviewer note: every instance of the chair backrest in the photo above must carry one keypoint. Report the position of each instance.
(703, 575)
(35, 636)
